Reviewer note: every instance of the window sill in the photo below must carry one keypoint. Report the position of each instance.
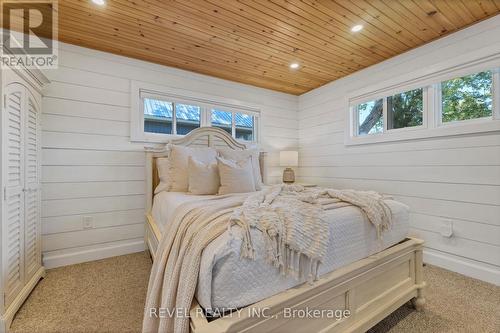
(155, 140)
(451, 129)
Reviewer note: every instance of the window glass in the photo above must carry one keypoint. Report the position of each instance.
(222, 119)
(370, 117)
(467, 97)
(187, 118)
(157, 116)
(405, 109)
(244, 126)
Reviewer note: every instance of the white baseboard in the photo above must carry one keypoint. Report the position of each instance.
(474, 269)
(90, 253)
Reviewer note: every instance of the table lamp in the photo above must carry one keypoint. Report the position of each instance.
(288, 159)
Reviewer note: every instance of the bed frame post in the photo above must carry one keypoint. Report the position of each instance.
(149, 181)
(419, 301)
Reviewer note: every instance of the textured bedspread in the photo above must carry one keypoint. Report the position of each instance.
(223, 272)
(200, 228)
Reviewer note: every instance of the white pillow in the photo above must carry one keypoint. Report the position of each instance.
(235, 177)
(243, 155)
(179, 164)
(203, 178)
(163, 167)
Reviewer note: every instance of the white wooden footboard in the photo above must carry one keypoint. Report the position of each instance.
(350, 299)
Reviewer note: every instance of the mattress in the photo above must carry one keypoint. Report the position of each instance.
(226, 281)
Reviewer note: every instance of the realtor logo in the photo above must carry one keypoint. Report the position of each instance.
(29, 34)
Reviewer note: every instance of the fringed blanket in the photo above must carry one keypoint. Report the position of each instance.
(290, 219)
(292, 224)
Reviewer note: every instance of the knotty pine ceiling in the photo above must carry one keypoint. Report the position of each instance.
(254, 41)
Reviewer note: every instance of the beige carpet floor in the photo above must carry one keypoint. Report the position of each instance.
(108, 296)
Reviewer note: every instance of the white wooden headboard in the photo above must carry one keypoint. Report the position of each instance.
(200, 137)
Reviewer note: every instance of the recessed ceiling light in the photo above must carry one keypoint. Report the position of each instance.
(294, 65)
(99, 2)
(357, 28)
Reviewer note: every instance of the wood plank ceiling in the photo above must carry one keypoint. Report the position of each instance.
(254, 41)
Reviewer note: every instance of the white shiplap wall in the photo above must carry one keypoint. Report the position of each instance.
(90, 167)
(455, 178)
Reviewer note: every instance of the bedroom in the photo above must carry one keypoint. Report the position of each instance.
(274, 101)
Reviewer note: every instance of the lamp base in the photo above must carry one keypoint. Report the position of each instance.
(288, 176)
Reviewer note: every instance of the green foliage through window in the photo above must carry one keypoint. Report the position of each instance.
(405, 109)
(468, 97)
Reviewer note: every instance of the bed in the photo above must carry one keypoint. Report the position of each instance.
(367, 277)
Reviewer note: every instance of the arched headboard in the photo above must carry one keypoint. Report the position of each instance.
(200, 137)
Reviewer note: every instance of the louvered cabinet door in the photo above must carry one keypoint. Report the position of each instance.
(32, 234)
(13, 224)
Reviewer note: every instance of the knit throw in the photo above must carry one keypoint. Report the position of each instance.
(174, 274)
(296, 233)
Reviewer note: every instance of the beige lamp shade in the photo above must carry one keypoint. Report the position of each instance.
(289, 158)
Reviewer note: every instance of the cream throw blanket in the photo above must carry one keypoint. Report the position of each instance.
(292, 223)
(290, 218)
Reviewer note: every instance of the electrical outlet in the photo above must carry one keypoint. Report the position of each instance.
(446, 228)
(88, 222)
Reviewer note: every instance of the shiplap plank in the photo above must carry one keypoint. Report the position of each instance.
(62, 224)
(89, 173)
(326, 127)
(483, 233)
(60, 123)
(285, 133)
(52, 208)
(480, 213)
(88, 78)
(479, 175)
(483, 140)
(87, 94)
(92, 157)
(91, 236)
(288, 121)
(53, 191)
(463, 247)
(68, 107)
(88, 141)
(457, 156)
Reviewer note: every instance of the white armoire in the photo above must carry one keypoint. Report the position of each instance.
(20, 230)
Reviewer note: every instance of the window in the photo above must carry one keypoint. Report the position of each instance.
(158, 113)
(467, 97)
(446, 103)
(405, 109)
(158, 116)
(370, 117)
(187, 118)
(241, 124)
(222, 119)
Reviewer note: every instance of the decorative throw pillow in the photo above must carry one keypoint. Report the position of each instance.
(179, 164)
(235, 177)
(243, 155)
(163, 167)
(203, 178)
